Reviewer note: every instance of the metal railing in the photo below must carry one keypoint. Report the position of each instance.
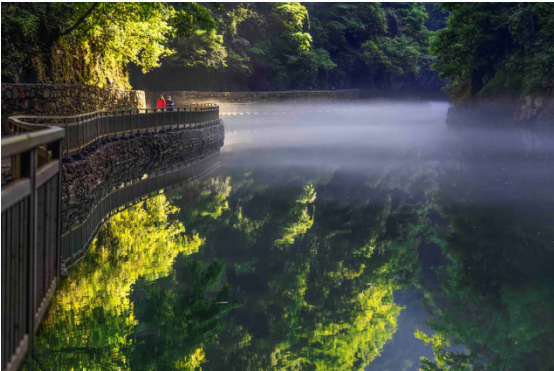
(77, 240)
(86, 130)
(32, 244)
(31, 230)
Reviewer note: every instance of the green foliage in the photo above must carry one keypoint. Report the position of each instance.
(371, 43)
(259, 46)
(91, 43)
(279, 46)
(496, 49)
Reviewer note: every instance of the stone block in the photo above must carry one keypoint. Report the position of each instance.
(26, 104)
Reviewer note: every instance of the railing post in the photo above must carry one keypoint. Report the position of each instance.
(123, 124)
(147, 123)
(66, 138)
(103, 123)
(138, 120)
(28, 170)
(78, 135)
(106, 121)
(115, 123)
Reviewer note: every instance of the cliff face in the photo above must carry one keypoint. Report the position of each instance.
(531, 110)
(537, 107)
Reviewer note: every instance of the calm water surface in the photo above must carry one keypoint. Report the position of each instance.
(332, 237)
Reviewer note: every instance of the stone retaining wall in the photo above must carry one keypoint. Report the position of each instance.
(184, 97)
(85, 182)
(65, 100)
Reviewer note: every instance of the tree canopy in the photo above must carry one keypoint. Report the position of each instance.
(259, 46)
(281, 46)
(496, 48)
(91, 43)
(482, 49)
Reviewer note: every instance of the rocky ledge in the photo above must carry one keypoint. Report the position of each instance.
(86, 181)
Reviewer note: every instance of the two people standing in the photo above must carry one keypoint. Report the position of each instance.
(168, 104)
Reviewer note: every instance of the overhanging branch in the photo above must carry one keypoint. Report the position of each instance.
(80, 20)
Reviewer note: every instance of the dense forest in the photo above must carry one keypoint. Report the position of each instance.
(481, 49)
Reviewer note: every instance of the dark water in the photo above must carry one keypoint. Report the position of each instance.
(333, 237)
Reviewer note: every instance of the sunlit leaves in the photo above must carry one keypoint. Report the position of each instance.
(93, 43)
(91, 320)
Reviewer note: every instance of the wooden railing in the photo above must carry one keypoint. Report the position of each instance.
(86, 130)
(31, 230)
(77, 240)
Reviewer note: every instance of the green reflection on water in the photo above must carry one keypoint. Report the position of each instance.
(297, 270)
(318, 292)
(110, 313)
(494, 292)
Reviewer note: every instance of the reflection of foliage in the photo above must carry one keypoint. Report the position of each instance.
(218, 203)
(302, 220)
(91, 319)
(494, 295)
(178, 317)
(444, 360)
(323, 301)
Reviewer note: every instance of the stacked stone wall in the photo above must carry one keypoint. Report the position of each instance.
(87, 181)
(65, 100)
(185, 97)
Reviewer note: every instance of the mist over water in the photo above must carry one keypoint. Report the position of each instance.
(501, 178)
(379, 124)
(336, 236)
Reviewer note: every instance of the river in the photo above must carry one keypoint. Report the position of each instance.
(369, 235)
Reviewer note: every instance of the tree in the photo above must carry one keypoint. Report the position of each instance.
(495, 49)
(91, 43)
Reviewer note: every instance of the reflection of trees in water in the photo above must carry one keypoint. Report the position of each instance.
(178, 316)
(309, 303)
(93, 324)
(315, 256)
(494, 291)
(317, 279)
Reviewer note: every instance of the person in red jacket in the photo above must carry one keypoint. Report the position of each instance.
(161, 102)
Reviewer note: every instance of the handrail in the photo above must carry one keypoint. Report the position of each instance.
(15, 144)
(85, 131)
(194, 107)
(31, 236)
(207, 106)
